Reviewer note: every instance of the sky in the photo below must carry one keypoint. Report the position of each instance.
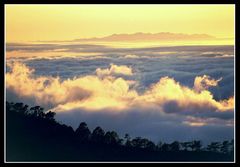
(26, 23)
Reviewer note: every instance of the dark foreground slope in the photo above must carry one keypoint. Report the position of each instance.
(33, 135)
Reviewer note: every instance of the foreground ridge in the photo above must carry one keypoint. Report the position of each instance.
(34, 135)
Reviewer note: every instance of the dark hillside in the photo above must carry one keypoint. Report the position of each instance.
(34, 135)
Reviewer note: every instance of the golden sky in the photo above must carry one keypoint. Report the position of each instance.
(66, 22)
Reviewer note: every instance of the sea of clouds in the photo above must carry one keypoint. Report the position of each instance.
(162, 93)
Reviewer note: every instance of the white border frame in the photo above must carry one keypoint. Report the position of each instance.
(5, 41)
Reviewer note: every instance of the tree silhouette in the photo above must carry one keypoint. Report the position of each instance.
(37, 111)
(214, 146)
(82, 132)
(196, 145)
(136, 142)
(50, 115)
(224, 147)
(21, 108)
(128, 142)
(150, 145)
(186, 145)
(165, 147)
(139, 142)
(66, 131)
(35, 135)
(175, 146)
(98, 135)
(111, 138)
(159, 146)
(231, 146)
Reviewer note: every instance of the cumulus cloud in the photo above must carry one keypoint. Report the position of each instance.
(204, 82)
(43, 90)
(115, 69)
(106, 91)
(174, 97)
(89, 91)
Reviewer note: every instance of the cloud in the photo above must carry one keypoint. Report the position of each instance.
(225, 56)
(182, 95)
(49, 47)
(171, 95)
(204, 82)
(100, 93)
(97, 48)
(106, 91)
(114, 69)
(43, 90)
(131, 56)
(165, 110)
(151, 124)
(196, 121)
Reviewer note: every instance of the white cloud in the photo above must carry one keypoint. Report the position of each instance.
(204, 82)
(131, 56)
(115, 69)
(94, 92)
(225, 56)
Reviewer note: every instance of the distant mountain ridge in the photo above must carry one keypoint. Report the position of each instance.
(162, 36)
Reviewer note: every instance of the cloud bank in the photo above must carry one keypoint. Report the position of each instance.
(106, 91)
(169, 93)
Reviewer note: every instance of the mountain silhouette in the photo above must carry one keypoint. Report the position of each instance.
(162, 36)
